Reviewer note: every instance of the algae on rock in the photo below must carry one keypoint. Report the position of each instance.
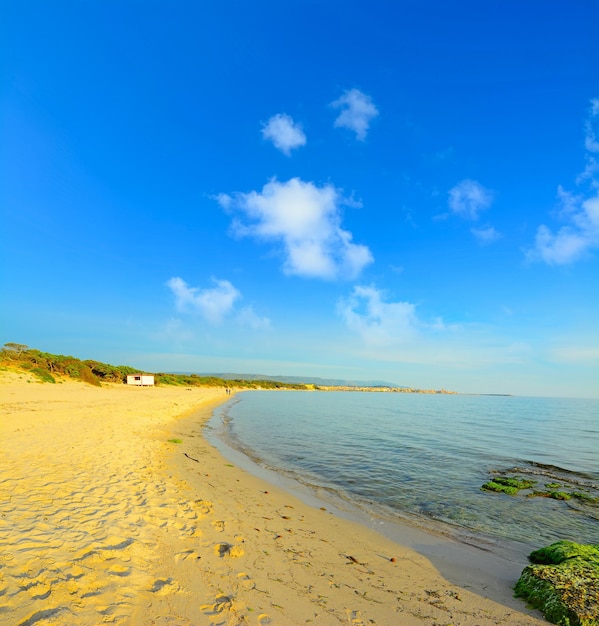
(563, 583)
(506, 484)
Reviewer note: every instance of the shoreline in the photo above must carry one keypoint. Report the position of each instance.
(109, 522)
(456, 553)
(488, 576)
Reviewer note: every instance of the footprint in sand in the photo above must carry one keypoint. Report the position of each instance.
(187, 554)
(188, 531)
(164, 586)
(203, 506)
(221, 603)
(245, 581)
(219, 526)
(226, 549)
(263, 618)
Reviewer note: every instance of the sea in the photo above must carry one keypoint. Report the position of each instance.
(422, 459)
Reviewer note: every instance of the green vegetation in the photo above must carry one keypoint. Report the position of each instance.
(565, 495)
(43, 375)
(563, 583)
(584, 497)
(505, 484)
(193, 380)
(555, 495)
(554, 490)
(46, 367)
(562, 550)
(175, 440)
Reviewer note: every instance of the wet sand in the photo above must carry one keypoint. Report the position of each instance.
(104, 520)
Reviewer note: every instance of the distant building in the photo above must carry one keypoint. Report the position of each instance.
(141, 380)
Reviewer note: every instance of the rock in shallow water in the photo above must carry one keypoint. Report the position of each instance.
(563, 583)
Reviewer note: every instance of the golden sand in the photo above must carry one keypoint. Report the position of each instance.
(104, 521)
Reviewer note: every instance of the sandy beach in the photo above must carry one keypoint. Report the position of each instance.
(106, 521)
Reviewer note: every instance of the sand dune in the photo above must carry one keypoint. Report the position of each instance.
(104, 520)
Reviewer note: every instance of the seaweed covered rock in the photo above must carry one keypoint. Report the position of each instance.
(506, 484)
(563, 583)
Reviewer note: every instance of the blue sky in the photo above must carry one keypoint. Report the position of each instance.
(405, 191)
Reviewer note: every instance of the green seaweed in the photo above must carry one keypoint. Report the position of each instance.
(498, 487)
(561, 551)
(560, 495)
(553, 485)
(563, 583)
(555, 495)
(505, 484)
(175, 440)
(584, 497)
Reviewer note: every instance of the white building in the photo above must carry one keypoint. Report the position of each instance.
(141, 380)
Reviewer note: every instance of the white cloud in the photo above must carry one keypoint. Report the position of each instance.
(284, 133)
(468, 198)
(381, 323)
(566, 246)
(357, 110)
(247, 317)
(485, 235)
(213, 304)
(590, 173)
(224, 200)
(580, 212)
(591, 142)
(306, 220)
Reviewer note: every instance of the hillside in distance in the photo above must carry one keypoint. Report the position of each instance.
(306, 380)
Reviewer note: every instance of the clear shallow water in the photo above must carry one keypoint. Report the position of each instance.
(425, 457)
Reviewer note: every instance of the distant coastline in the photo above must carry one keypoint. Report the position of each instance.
(329, 384)
(382, 389)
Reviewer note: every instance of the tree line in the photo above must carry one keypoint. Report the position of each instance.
(48, 367)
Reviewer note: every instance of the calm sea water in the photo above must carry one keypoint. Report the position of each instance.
(425, 457)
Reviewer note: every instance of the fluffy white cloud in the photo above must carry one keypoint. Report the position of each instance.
(468, 198)
(573, 241)
(563, 247)
(212, 303)
(306, 219)
(357, 110)
(486, 235)
(378, 322)
(284, 133)
(580, 212)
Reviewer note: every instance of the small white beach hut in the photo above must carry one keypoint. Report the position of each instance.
(141, 380)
